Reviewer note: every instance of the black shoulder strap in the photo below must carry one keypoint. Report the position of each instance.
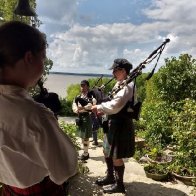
(133, 97)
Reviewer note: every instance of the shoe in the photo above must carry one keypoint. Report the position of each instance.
(105, 181)
(84, 157)
(95, 143)
(114, 188)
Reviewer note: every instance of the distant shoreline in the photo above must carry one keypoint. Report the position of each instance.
(80, 74)
(58, 82)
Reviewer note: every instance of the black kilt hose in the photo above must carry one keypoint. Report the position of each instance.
(119, 141)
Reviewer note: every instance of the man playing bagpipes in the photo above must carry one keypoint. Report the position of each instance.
(119, 140)
(121, 107)
(87, 121)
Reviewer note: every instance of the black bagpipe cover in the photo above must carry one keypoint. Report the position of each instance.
(82, 101)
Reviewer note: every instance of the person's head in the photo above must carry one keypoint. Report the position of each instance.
(22, 54)
(84, 86)
(121, 68)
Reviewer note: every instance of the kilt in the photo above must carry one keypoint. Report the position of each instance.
(44, 188)
(119, 141)
(85, 128)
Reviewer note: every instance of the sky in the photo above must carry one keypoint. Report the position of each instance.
(85, 36)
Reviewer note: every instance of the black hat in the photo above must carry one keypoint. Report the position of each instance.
(122, 63)
(84, 82)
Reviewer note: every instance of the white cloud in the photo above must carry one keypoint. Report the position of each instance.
(92, 49)
(179, 11)
(63, 11)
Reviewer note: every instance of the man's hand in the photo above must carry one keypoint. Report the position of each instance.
(80, 108)
(88, 106)
(94, 109)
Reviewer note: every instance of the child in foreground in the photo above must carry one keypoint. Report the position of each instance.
(36, 157)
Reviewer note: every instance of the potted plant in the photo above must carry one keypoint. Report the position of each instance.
(184, 169)
(158, 156)
(158, 172)
(188, 180)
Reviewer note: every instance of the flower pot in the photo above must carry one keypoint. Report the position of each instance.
(164, 159)
(157, 177)
(156, 172)
(139, 142)
(188, 180)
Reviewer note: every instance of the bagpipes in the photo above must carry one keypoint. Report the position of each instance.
(138, 70)
(98, 92)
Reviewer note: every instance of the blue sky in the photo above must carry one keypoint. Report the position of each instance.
(85, 36)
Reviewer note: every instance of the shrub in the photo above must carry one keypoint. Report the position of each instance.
(184, 131)
(66, 108)
(70, 130)
(158, 119)
(176, 80)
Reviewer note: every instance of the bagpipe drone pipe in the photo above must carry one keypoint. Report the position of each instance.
(98, 92)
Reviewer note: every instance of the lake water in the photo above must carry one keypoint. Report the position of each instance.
(58, 83)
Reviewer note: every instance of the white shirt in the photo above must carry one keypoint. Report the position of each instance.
(32, 145)
(119, 100)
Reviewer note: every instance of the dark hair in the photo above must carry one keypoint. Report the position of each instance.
(16, 38)
(84, 82)
(122, 63)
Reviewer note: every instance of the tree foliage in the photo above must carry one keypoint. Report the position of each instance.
(141, 86)
(184, 131)
(165, 95)
(72, 91)
(177, 80)
(158, 118)
(152, 93)
(7, 10)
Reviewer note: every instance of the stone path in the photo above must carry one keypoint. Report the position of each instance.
(136, 182)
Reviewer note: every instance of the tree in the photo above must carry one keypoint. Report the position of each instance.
(141, 86)
(152, 94)
(166, 93)
(72, 91)
(7, 10)
(177, 80)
